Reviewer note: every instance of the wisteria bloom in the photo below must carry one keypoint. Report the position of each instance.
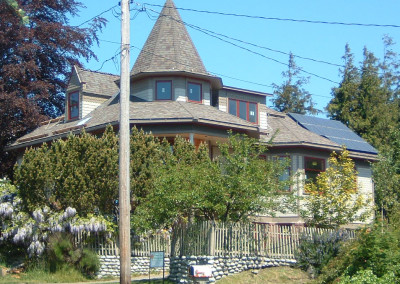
(6, 209)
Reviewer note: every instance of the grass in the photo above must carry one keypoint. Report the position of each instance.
(271, 275)
(41, 276)
(67, 275)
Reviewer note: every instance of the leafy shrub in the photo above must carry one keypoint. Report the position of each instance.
(368, 277)
(376, 249)
(63, 253)
(89, 262)
(316, 250)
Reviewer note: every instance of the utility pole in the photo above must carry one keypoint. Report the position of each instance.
(124, 150)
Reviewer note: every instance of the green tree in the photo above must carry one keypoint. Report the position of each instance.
(236, 185)
(290, 96)
(345, 97)
(334, 199)
(81, 172)
(365, 101)
(36, 58)
(386, 175)
(147, 155)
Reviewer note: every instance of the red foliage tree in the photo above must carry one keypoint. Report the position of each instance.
(36, 57)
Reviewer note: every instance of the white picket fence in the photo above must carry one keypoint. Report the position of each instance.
(217, 239)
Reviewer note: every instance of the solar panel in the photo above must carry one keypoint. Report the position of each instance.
(335, 131)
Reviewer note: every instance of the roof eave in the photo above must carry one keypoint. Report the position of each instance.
(245, 91)
(48, 138)
(216, 82)
(353, 154)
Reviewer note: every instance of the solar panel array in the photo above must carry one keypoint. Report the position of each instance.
(335, 131)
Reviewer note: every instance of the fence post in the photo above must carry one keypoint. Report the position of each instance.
(211, 239)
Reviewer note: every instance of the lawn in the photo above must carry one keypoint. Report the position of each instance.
(268, 275)
(278, 275)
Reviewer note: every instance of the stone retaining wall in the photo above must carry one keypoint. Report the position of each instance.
(109, 265)
(222, 266)
(178, 266)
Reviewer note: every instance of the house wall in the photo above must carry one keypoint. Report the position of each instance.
(297, 157)
(223, 101)
(89, 103)
(145, 90)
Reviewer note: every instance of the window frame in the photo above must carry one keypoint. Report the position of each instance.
(164, 81)
(247, 109)
(313, 170)
(70, 105)
(201, 92)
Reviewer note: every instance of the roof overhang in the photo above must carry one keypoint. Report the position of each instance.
(245, 91)
(252, 131)
(216, 82)
(353, 154)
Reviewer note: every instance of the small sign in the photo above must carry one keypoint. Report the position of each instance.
(201, 271)
(156, 259)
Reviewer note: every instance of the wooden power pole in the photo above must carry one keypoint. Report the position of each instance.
(124, 150)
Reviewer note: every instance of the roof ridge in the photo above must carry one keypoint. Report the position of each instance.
(186, 109)
(98, 72)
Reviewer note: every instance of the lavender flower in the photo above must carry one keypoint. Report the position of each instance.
(69, 212)
(36, 248)
(6, 209)
(38, 216)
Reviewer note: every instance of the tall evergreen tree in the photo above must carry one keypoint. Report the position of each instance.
(290, 96)
(376, 114)
(345, 96)
(364, 100)
(36, 56)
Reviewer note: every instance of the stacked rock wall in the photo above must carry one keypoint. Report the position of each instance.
(222, 266)
(178, 266)
(110, 265)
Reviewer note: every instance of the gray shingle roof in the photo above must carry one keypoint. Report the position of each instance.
(160, 112)
(287, 132)
(98, 83)
(169, 46)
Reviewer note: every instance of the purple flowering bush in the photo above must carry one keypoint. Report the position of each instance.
(32, 231)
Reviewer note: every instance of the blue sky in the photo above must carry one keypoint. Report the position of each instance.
(317, 41)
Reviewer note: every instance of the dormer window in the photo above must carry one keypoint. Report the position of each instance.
(164, 90)
(73, 105)
(243, 109)
(195, 92)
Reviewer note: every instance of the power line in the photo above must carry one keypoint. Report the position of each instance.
(214, 73)
(241, 47)
(98, 15)
(248, 43)
(283, 19)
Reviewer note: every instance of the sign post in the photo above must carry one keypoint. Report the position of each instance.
(157, 260)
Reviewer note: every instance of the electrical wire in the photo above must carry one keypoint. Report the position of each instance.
(98, 15)
(241, 47)
(214, 73)
(282, 19)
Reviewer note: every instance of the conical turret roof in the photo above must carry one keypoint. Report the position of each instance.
(169, 47)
